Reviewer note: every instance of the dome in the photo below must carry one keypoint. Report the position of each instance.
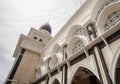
(46, 27)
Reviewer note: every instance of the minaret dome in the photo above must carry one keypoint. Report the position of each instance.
(46, 27)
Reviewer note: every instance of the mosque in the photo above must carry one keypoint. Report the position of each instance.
(85, 51)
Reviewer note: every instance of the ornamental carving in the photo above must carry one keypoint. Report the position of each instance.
(112, 20)
(78, 45)
(81, 31)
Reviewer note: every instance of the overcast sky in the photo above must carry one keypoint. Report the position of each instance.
(18, 16)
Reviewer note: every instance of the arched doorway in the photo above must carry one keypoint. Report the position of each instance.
(56, 82)
(117, 71)
(84, 76)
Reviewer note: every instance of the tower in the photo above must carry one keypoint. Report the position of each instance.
(27, 55)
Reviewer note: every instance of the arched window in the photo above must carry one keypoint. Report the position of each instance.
(35, 38)
(112, 20)
(75, 44)
(78, 45)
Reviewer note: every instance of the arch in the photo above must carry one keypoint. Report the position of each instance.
(57, 49)
(58, 52)
(114, 63)
(53, 61)
(85, 67)
(59, 56)
(112, 20)
(44, 66)
(105, 13)
(56, 56)
(72, 42)
(117, 71)
(56, 81)
(76, 30)
(43, 69)
(72, 31)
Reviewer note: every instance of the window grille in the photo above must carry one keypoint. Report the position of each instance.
(113, 19)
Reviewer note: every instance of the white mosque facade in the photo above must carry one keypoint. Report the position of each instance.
(85, 51)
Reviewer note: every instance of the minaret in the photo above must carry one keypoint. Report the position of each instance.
(27, 55)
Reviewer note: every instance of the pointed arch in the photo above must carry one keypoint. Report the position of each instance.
(56, 46)
(78, 41)
(114, 63)
(58, 52)
(81, 68)
(56, 81)
(76, 30)
(105, 15)
(57, 49)
(72, 31)
(43, 69)
(59, 56)
(43, 63)
(53, 61)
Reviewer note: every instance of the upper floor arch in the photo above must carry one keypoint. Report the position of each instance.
(57, 49)
(75, 44)
(58, 52)
(109, 17)
(76, 30)
(53, 61)
(72, 31)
